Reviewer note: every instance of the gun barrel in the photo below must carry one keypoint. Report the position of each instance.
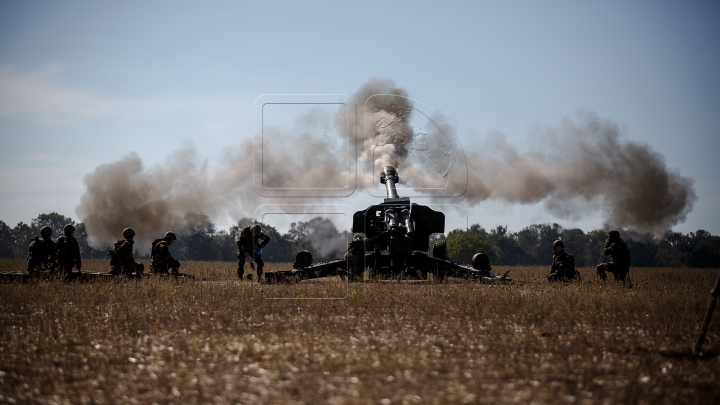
(391, 191)
(389, 177)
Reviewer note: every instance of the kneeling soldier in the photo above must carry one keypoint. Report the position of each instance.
(160, 258)
(121, 256)
(41, 253)
(68, 251)
(619, 254)
(355, 258)
(563, 266)
(250, 245)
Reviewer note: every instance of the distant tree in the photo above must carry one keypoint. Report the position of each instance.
(462, 246)
(506, 247)
(6, 240)
(22, 235)
(576, 242)
(642, 254)
(536, 241)
(54, 220)
(705, 249)
(673, 250)
(320, 236)
(224, 246)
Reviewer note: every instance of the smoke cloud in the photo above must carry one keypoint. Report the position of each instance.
(585, 164)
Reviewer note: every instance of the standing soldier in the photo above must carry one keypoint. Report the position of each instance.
(563, 265)
(121, 256)
(355, 257)
(619, 254)
(250, 245)
(160, 258)
(68, 251)
(41, 252)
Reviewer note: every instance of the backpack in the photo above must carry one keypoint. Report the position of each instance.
(113, 252)
(155, 248)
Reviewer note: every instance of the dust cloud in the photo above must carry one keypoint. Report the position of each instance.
(585, 164)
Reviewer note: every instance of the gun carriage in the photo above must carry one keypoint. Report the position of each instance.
(396, 245)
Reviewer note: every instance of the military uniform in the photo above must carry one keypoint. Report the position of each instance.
(122, 260)
(252, 244)
(355, 258)
(41, 255)
(161, 260)
(68, 253)
(619, 254)
(563, 267)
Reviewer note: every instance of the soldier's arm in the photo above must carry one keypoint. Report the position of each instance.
(126, 252)
(242, 244)
(264, 240)
(607, 250)
(53, 252)
(166, 252)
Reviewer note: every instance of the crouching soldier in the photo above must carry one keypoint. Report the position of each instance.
(250, 245)
(619, 254)
(355, 258)
(41, 253)
(563, 265)
(68, 251)
(121, 256)
(160, 258)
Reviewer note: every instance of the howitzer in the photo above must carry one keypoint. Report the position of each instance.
(396, 244)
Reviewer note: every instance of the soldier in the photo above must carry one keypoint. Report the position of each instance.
(121, 256)
(355, 257)
(68, 251)
(160, 258)
(41, 252)
(563, 266)
(250, 245)
(619, 254)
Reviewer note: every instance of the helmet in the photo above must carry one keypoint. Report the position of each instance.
(255, 228)
(558, 243)
(45, 231)
(170, 236)
(68, 229)
(128, 233)
(613, 234)
(358, 236)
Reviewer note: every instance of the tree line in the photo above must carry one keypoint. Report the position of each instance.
(533, 246)
(201, 242)
(530, 246)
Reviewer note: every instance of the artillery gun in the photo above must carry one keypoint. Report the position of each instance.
(395, 244)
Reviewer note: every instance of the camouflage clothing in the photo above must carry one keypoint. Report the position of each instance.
(355, 258)
(619, 264)
(68, 253)
(563, 267)
(160, 258)
(122, 260)
(41, 255)
(253, 246)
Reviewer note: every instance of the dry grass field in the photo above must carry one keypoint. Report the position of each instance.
(221, 341)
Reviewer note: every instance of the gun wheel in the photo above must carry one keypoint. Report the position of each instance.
(481, 261)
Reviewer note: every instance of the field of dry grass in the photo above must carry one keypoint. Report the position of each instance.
(220, 341)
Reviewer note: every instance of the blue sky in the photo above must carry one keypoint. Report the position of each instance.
(86, 83)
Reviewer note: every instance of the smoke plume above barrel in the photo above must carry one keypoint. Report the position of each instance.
(583, 165)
